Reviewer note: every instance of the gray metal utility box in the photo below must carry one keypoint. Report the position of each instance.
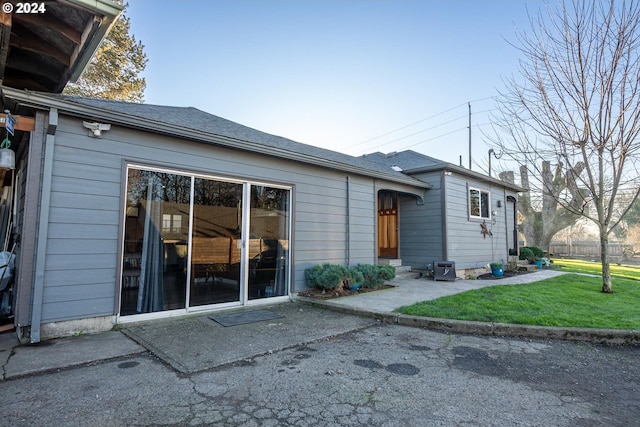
(444, 270)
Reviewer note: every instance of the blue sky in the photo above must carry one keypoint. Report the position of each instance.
(354, 76)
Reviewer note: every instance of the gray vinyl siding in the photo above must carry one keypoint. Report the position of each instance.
(466, 245)
(362, 221)
(81, 272)
(421, 226)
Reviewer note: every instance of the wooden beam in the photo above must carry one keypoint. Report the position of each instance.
(40, 46)
(23, 123)
(49, 21)
(5, 34)
(24, 81)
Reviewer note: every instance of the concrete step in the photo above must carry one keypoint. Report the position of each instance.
(405, 272)
(396, 262)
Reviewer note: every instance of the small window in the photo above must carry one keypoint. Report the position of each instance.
(177, 224)
(171, 223)
(479, 203)
(166, 223)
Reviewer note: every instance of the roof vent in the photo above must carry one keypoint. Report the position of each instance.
(396, 168)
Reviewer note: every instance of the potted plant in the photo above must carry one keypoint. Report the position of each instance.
(497, 268)
(538, 262)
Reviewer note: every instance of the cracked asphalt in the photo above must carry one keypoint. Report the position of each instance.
(378, 375)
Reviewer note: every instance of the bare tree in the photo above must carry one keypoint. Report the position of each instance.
(578, 100)
(544, 216)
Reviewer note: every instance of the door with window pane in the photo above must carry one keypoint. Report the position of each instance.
(387, 224)
(216, 252)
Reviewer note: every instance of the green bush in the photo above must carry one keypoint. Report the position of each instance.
(537, 252)
(526, 253)
(375, 275)
(354, 277)
(387, 272)
(332, 276)
(325, 276)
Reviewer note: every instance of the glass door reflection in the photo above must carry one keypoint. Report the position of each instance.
(268, 242)
(216, 242)
(154, 266)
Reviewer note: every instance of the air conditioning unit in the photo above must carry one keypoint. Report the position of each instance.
(444, 270)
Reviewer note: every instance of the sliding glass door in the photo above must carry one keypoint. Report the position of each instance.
(156, 230)
(190, 242)
(269, 242)
(216, 246)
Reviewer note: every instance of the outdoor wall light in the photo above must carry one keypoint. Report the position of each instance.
(7, 159)
(96, 128)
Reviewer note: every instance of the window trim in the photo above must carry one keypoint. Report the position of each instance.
(480, 205)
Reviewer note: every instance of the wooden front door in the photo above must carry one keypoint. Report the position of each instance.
(388, 224)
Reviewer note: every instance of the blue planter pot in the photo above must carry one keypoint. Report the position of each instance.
(538, 263)
(497, 271)
(354, 287)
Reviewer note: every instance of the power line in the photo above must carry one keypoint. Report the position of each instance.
(422, 120)
(435, 137)
(425, 140)
(416, 133)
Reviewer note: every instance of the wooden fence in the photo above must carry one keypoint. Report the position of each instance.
(586, 249)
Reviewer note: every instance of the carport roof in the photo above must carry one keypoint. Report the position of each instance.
(45, 50)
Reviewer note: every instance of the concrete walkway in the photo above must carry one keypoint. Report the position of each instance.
(408, 291)
(183, 343)
(381, 304)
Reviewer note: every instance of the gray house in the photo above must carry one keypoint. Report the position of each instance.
(467, 217)
(119, 212)
(129, 212)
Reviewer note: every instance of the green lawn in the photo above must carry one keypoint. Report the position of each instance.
(580, 266)
(569, 300)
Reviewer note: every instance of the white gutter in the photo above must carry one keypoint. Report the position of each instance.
(43, 227)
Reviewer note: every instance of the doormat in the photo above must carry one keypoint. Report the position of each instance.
(244, 317)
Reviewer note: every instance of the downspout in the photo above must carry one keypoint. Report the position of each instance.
(445, 219)
(348, 231)
(376, 247)
(515, 226)
(506, 222)
(43, 226)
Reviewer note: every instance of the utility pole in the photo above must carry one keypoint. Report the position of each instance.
(469, 135)
(490, 153)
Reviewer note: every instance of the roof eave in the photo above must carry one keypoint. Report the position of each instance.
(41, 101)
(466, 172)
(110, 12)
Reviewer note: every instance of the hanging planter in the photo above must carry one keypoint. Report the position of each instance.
(7, 156)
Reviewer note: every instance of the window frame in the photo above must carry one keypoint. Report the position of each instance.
(480, 192)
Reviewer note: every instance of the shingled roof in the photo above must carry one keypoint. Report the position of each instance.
(195, 124)
(413, 163)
